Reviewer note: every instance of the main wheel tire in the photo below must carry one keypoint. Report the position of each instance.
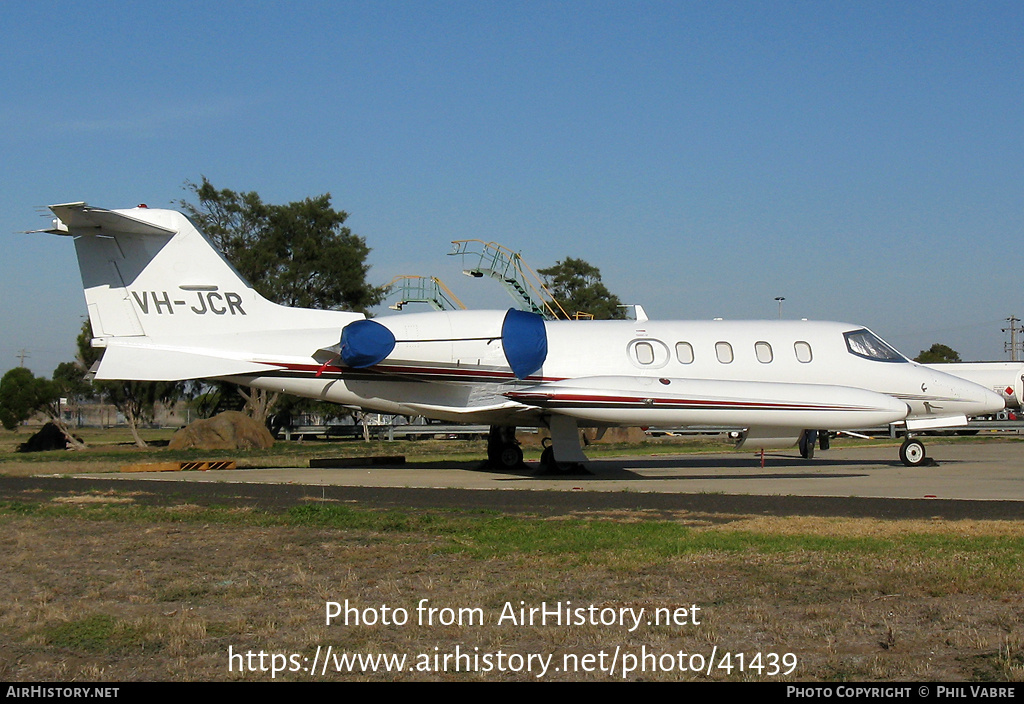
(912, 453)
(808, 439)
(511, 456)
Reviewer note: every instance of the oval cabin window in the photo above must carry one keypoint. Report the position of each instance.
(644, 352)
(684, 352)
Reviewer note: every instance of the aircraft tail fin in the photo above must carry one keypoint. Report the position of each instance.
(153, 280)
(147, 272)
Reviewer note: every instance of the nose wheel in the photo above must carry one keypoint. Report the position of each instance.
(912, 452)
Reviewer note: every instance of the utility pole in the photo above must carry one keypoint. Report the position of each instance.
(779, 300)
(1012, 346)
(22, 354)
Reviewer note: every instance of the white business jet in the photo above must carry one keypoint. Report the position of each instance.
(167, 306)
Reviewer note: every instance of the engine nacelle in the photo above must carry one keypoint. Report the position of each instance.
(513, 339)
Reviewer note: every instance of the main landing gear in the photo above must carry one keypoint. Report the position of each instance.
(810, 438)
(549, 465)
(561, 455)
(503, 450)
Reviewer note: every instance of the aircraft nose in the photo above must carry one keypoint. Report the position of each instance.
(972, 399)
(979, 400)
(993, 403)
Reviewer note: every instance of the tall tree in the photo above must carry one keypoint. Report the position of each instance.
(298, 254)
(136, 400)
(577, 286)
(938, 354)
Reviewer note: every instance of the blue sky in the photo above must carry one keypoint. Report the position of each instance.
(863, 159)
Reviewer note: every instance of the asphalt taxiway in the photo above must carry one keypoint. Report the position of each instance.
(983, 479)
(980, 471)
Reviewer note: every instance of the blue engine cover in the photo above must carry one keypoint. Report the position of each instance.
(525, 341)
(365, 343)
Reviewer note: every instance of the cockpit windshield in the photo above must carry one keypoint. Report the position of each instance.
(865, 343)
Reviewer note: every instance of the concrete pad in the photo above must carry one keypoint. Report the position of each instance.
(980, 470)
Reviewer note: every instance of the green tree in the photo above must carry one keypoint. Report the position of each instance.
(71, 379)
(136, 400)
(577, 286)
(22, 394)
(937, 354)
(298, 254)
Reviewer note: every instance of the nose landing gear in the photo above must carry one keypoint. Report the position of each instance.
(912, 452)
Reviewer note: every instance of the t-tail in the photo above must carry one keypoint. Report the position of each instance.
(165, 303)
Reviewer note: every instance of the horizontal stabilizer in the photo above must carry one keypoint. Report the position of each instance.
(154, 364)
(80, 219)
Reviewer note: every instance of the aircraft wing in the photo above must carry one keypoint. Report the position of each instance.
(496, 412)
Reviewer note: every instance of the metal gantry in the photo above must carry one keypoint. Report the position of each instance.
(422, 289)
(522, 283)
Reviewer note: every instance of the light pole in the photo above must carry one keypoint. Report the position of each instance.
(780, 299)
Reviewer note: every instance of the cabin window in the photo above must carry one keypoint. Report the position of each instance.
(803, 351)
(724, 352)
(648, 353)
(865, 343)
(684, 352)
(644, 352)
(763, 351)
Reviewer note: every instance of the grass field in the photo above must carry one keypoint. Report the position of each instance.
(111, 587)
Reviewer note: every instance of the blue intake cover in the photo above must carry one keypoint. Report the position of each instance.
(525, 342)
(365, 343)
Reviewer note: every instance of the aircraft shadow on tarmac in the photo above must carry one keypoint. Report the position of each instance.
(776, 467)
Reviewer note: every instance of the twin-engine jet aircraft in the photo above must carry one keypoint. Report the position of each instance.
(165, 305)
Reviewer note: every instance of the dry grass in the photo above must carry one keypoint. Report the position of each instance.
(163, 594)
